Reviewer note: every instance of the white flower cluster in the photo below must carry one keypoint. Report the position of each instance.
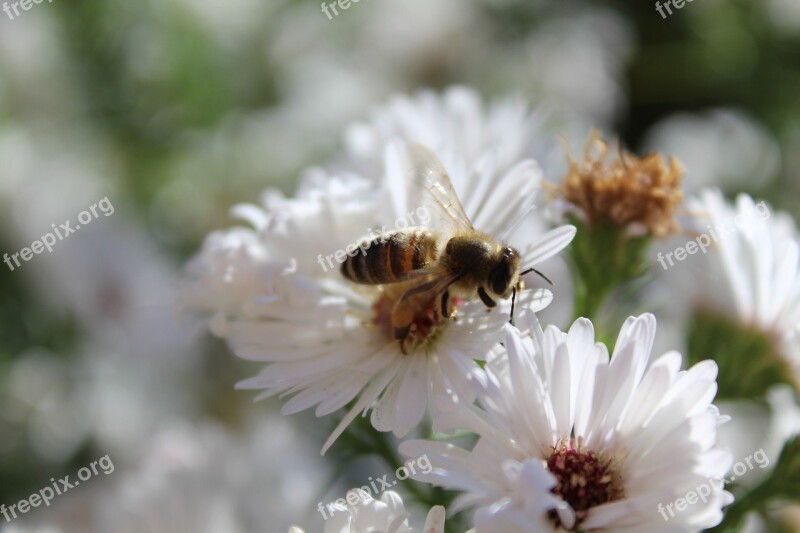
(569, 437)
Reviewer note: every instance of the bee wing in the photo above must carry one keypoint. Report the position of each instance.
(430, 178)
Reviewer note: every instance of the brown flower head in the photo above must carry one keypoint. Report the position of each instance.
(639, 193)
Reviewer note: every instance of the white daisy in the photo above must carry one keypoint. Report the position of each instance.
(327, 340)
(570, 440)
(722, 146)
(752, 268)
(199, 478)
(363, 514)
(454, 123)
(318, 331)
(473, 139)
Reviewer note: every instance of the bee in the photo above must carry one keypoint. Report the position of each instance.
(426, 268)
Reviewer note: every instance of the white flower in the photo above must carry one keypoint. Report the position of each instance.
(277, 294)
(762, 427)
(455, 124)
(722, 146)
(784, 14)
(756, 259)
(570, 440)
(204, 478)
(199, 478)
(363, 514)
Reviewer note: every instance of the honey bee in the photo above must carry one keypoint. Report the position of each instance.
(425, 267)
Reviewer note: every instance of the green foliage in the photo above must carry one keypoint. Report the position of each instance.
(749, 362)
(361, 440)
(27, 323)
(783, 485)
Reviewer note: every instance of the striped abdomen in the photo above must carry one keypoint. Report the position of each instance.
(391, 257)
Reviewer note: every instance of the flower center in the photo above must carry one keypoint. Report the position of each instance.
(425, 326)
(583, 480)
(744, 349)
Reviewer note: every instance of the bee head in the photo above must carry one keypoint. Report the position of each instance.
(505, 273)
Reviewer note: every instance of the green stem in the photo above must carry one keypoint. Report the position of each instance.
(361, 439)
(587, 302)
(603, 259)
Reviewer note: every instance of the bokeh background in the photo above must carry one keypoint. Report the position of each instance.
(178, 109)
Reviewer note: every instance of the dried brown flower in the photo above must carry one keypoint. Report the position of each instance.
(639, 193)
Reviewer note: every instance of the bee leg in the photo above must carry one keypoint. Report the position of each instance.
(403, 346)
(513, 300)
(446, 304)
(420, 298)
(401, 333)
(487, 301)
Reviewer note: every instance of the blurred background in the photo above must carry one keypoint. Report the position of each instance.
(177, 109)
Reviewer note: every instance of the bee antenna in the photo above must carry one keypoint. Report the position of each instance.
(534, 270)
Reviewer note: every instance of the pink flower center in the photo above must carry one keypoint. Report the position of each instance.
(583, 480)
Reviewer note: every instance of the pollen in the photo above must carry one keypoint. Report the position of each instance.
(428, 322)
(639, 193)
(583, 479)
